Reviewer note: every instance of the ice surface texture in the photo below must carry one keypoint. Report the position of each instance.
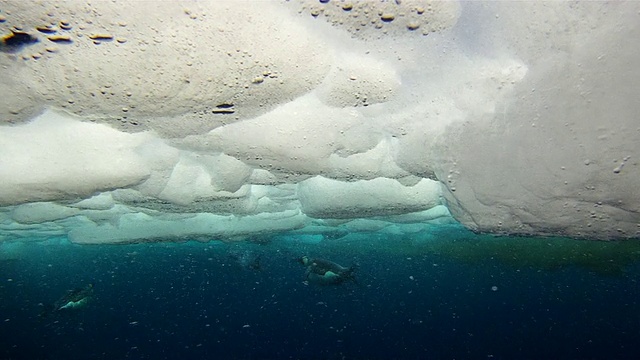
(222, 119)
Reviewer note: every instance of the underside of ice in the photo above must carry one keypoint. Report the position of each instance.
(226, 120)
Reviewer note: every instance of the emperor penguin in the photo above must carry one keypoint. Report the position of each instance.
(75, 298)
(326, 272)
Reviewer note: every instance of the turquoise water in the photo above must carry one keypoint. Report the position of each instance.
(443, 295)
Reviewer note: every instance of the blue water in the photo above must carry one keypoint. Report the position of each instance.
(202, 300)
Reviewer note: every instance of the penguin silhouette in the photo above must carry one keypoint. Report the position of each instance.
(327, 272)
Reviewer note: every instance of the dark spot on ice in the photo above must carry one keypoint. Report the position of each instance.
(16, 41)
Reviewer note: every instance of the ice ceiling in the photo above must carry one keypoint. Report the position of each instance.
(128, 121)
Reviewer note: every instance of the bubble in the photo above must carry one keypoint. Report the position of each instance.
(387, 17)
(413, 26)
(494, 288)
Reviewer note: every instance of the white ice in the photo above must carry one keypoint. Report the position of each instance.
(225, 120)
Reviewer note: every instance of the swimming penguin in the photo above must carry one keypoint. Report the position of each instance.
(326, 272)
(74, 299)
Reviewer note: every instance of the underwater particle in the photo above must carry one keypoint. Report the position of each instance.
(47, 29)
(121, 40)
(16, 41)
(64, 39)
(347, 7)
(494, 288)
(387, 17)
(258, 80)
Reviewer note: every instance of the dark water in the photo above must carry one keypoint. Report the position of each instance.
(213, 300)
